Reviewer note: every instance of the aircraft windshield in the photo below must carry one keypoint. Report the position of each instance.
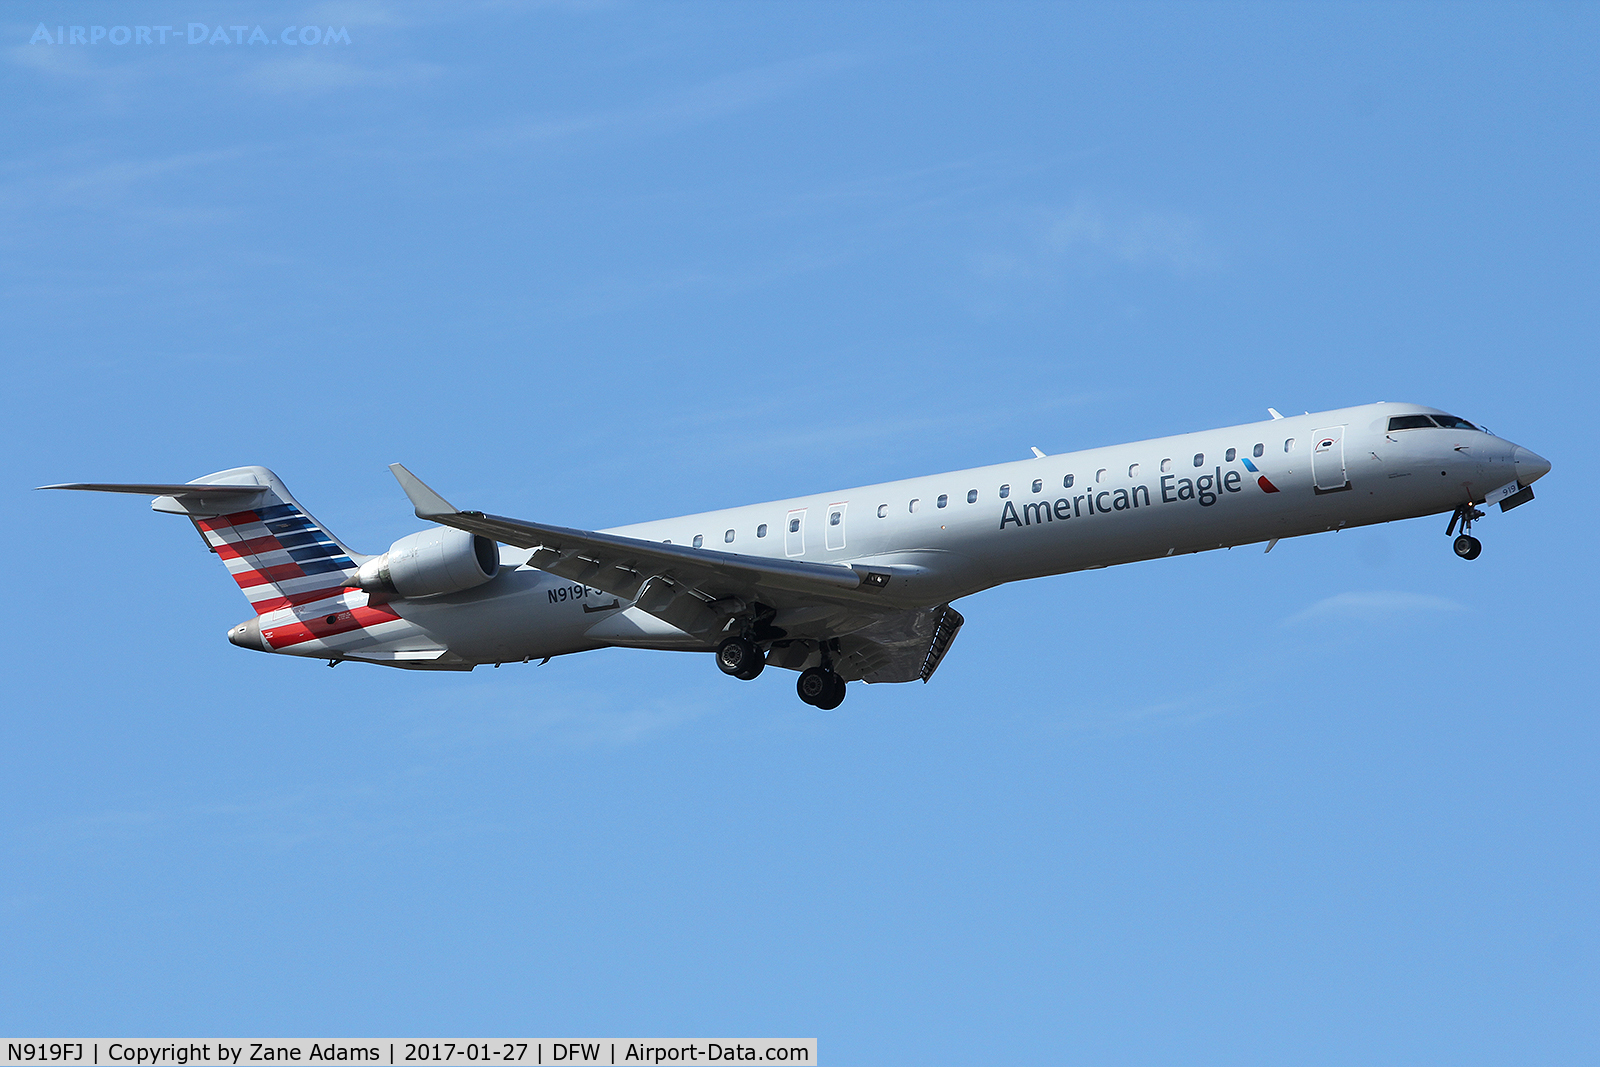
(1420, 422)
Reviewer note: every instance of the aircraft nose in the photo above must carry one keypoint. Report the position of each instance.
(1530, 465)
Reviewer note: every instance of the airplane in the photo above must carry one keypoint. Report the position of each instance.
(855, 584)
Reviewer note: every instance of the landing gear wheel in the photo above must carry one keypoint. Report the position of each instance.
(835, 696)
(818, 686)
(739, 657)
(1468, 547)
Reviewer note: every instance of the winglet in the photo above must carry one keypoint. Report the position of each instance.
(427, 503)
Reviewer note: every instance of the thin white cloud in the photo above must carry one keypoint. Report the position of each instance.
(526, 708)
(1375, 606)
(82, 181)
(106, 72)
(1142, 238)
(1089, 232)
(364, 13)
(1187, 709)
(319, 73)
(723, 95)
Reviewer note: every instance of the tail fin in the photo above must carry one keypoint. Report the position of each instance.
(276, 551)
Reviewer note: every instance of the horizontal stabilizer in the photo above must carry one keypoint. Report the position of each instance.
(154, 489)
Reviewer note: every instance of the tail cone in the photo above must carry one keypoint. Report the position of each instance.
(248, 635)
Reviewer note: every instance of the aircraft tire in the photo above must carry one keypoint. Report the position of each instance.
(816, 686)
(1468, 547)
(740, 658)
(835, 695)
(758, 663)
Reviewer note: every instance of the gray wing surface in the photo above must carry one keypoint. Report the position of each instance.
(699, 590)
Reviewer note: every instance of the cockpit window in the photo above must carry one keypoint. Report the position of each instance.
(1450, 422)
(1410, 422)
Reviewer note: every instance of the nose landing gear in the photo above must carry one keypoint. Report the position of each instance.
(1466, 546)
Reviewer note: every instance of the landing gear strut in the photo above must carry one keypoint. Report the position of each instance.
(1466, 546)
(821, 688)
(740, 657)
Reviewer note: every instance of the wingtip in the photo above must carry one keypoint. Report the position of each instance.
(424, 501)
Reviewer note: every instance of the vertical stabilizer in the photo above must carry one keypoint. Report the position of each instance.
(277, 552)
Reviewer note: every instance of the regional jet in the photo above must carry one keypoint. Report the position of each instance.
(850, 585)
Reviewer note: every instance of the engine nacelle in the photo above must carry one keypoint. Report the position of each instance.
(431, 563)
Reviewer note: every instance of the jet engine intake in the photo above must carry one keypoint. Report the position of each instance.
(431, 563)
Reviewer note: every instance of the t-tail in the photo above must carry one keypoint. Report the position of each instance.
(296, 574)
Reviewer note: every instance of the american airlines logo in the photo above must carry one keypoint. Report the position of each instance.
(1204, 490)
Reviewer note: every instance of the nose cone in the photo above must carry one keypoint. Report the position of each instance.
(248, 635)
(1530, 465)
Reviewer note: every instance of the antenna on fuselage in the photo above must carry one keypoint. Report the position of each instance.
(1274, 413)
(1036, 453)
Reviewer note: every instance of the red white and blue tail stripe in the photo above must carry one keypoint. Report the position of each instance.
(280, 556)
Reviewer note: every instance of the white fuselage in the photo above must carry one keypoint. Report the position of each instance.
(950, 535)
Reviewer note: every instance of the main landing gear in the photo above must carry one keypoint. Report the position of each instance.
(1466, 546)
(821, 688)
(740, 657)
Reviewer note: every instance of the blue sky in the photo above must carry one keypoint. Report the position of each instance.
(595, 264)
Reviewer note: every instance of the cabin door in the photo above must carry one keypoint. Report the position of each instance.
(1327, 460)
(835, 535)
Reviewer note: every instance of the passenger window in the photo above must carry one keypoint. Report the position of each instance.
(972, 496)
(914, 504)
(794, 525)
(1100, 475)
(1005, 491)
(1166, 466)
(883, 511)
(833, 520)
(1199, 459)
(1231, 455)
(1410, 422)
(1288, 446)
(1133, 470)
(727, 537)
(1066, 483)
(943, 499)
(761, 531)
(1038, 486)
(699, 539)
(1258, 450)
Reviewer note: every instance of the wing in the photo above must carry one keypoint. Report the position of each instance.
(694, 589)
